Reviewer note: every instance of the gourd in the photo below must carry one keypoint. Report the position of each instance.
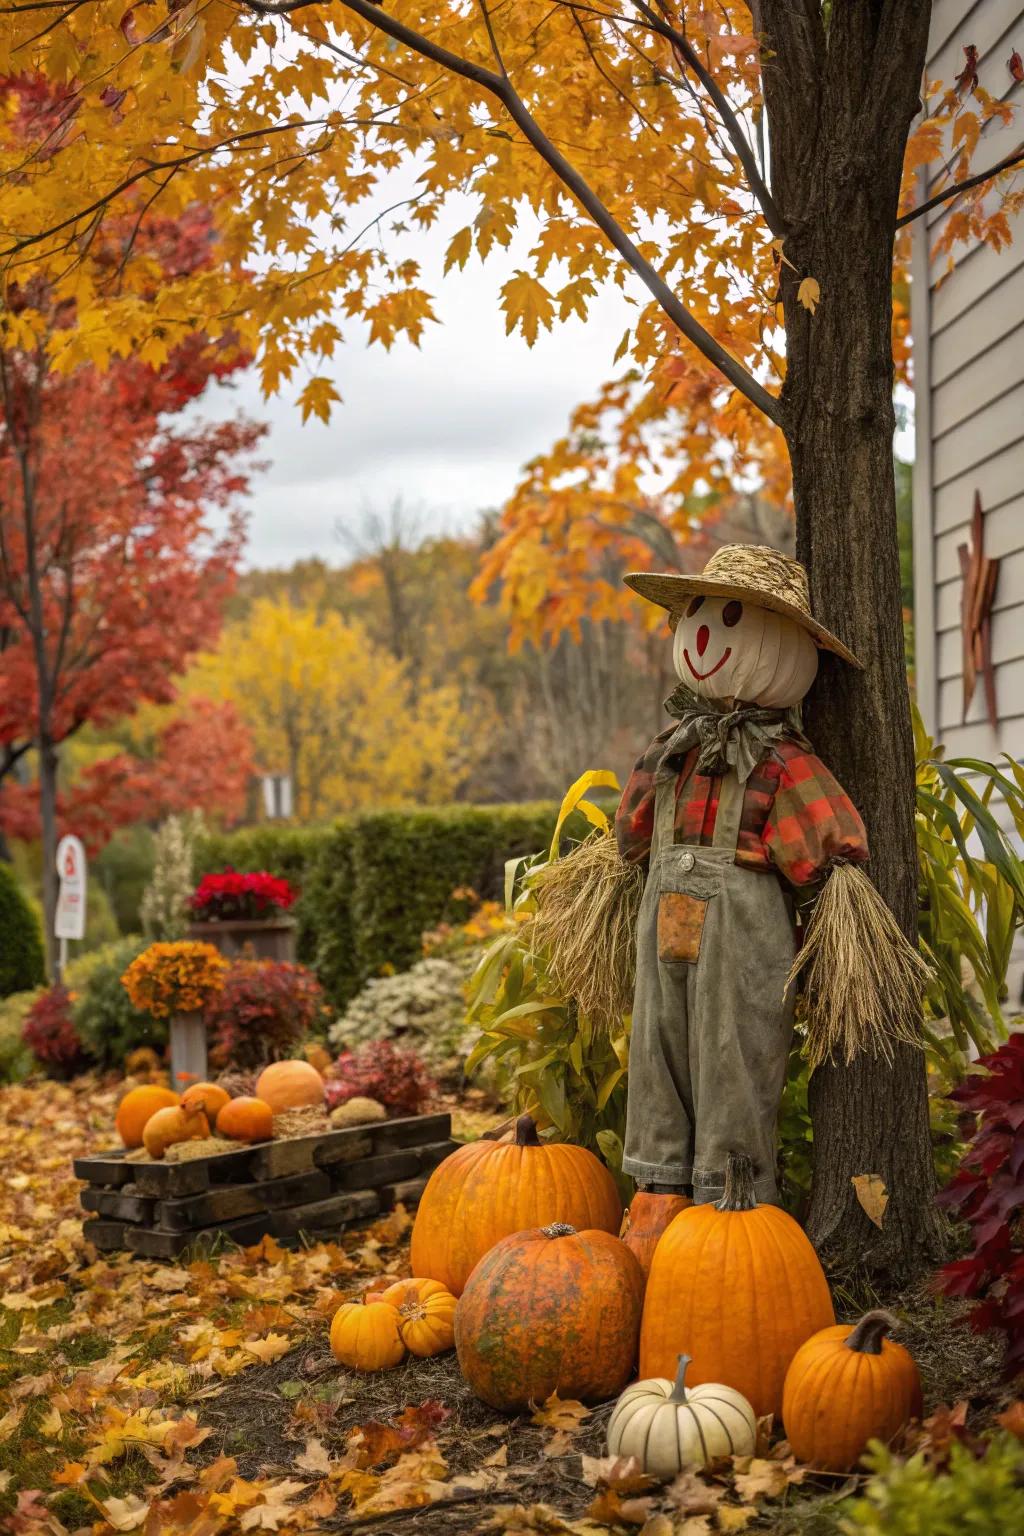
(737, 1286)
(646, 1220)
(136, 1108)
(209, 1097)
(848, 1385)
(246, 1119)
(357, 1111)
(667, 1427)
(366, 1337)
(487, 1190)
(550, 1310)
(426, 1315)
(290, 1085)
(171, 1125)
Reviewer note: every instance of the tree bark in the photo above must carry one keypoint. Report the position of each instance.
(838, 142)
(48, 765)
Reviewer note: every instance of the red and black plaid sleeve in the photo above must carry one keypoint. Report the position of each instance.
(634, 819)
(812, 820)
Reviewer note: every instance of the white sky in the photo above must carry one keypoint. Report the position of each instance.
(446, 427)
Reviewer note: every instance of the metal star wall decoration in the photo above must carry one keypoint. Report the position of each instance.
(979, 574)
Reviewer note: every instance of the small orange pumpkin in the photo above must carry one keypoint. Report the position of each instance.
(209, 1097)
(136, 1108)
(366, 1337)
(646, 1220)
(246, 1119)
(427, 1315)
(846, 1386)
(171, 1125)
(739, 1287)
(487, 1190)
(550, 1310)
(290, 1085)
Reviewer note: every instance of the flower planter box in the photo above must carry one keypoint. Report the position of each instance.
(303, 1186)
(267, 938)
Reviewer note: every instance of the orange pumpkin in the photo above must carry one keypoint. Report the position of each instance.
(246, 1119)
(366, 1337)
(319, 1057)
(846, 1386)
(646, 1220)
(738, 1287)
(290, 1085)
(487, 1190)
(550, 1310)
(171, 1125)
(209, 1097)
(427, 1315)
(136, 1108)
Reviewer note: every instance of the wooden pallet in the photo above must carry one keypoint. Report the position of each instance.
(309, 1185)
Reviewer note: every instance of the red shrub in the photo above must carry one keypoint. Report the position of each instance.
(49, 1032)
(233, 895)
(988, 1193)
(381, 1070)
(262, 1012)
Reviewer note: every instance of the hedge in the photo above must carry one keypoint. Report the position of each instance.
(371, 885)
(22, 959)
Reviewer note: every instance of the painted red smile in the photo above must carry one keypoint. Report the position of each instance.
(700, 676)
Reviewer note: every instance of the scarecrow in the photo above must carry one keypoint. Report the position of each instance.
(728, 829)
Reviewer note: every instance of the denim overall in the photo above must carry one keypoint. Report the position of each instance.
(712, 1020)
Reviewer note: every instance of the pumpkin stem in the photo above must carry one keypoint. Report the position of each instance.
(739, 1184)
(526, 1132)
(559, 1229)
(866, 1338)
(678, 1393)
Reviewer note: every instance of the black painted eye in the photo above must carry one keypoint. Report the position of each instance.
(697, 603)
(732, 613)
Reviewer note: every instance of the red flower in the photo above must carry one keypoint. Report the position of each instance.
(247, 897)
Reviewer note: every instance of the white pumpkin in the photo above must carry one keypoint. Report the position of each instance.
(726, 649)
(668, 1428)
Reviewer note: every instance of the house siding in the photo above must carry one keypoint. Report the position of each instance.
(968, 326)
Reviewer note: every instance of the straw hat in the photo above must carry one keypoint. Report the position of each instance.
(763, 576)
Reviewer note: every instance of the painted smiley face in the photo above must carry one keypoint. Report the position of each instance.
(731, 614)
(727, 649)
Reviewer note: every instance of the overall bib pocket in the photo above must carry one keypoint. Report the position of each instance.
(684, 894)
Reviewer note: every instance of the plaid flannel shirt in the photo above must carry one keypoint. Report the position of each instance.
(796, 816)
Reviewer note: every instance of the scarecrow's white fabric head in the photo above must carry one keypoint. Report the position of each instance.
(731, 649)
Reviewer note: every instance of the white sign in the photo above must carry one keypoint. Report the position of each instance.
(70, 920)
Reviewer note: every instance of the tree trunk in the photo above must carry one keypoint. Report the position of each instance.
(48, 765)
(839, 116)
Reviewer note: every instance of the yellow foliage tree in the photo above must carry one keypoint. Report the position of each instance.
(337, 713)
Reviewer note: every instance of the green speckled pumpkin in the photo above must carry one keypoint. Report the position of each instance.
(550, 1310)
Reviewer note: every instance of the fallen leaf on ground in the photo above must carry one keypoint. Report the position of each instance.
(621, 1472)
(1013, 1419)
(560, 1413)
(731, 1517)
(609, 1509)
(314, 1458)
(692, 1496)
(759, 1478)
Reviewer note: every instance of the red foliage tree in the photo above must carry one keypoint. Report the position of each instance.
(111, 576)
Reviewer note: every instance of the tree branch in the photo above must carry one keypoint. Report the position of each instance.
(1016, 158)
(499, 86)
(688, 55)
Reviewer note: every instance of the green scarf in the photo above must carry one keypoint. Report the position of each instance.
(739, 738)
